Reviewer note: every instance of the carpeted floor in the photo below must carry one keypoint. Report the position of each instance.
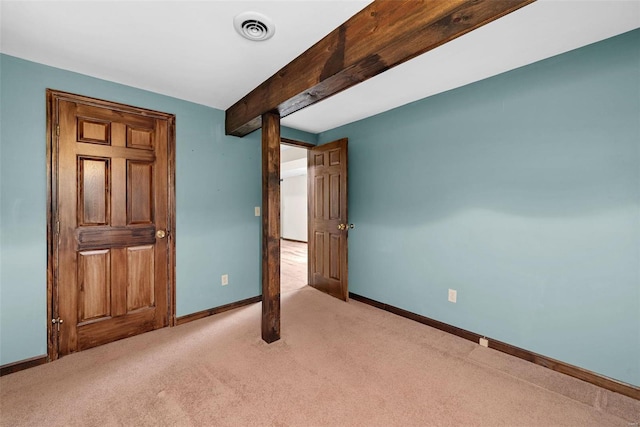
(337, 364)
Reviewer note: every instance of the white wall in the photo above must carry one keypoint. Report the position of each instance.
(293, 194)
(294, 207)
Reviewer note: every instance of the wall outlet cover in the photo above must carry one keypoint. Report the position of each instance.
(224, 279)
(453, 295)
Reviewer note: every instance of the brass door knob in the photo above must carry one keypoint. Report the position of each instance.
(160, 234)
(342, 227)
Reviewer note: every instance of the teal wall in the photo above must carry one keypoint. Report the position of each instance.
(522, 192)
(218, 181)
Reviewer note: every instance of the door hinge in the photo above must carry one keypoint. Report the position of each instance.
(58, 227)
(57, 130)
(57, 322)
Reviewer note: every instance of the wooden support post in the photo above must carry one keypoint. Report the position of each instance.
(271, 227)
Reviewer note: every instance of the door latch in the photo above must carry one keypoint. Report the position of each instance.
(57, 322)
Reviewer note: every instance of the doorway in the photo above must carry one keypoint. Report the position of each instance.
(293, 208)
(323, 254)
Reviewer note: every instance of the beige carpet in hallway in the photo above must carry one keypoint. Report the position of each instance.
(337, 364)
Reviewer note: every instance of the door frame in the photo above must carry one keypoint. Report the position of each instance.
(295, 143)
(52, 97)
(307, 146)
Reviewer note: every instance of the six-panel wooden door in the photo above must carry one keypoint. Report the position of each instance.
(328, 218)
(111, 211)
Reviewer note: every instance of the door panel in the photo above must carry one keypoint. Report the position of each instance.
(112, 195)
(140, 193)
(93, 194)
(140, 280)
(317, 253)
(94, 131)
(327, 169)
(94, 279)
(334, 196)
(334, 256)
(139, 138)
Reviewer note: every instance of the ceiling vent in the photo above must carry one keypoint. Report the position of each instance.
(254, 26)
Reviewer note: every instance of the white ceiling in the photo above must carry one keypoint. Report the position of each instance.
(189, 49)
(293, 161)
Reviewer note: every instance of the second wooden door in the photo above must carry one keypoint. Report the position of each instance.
(328, 218)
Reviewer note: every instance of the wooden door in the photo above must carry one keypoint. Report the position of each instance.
(111, 209)
(328, 219)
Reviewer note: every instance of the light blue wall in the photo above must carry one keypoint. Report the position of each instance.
(218, 182)
(522, 192)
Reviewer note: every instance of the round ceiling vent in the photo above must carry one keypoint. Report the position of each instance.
(254, 26)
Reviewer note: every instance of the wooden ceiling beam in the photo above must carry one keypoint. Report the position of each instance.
(382, 35)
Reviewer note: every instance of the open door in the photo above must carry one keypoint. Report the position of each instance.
(328, 219)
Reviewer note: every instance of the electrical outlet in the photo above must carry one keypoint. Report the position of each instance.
(257, 211)
(225, 279)
(453, 295)
(484, 342)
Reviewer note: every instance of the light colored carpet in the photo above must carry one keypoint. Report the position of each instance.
(337, 364)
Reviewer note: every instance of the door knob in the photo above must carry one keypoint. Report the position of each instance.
(160, 234)
(345, 226)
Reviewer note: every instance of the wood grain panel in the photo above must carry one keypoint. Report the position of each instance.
(94, 131)
(94, 281)
(318, 159)
(140, 280)
(67, 201)
(119, 192)
(334, 157)
(93, 194)
(119, 276)
(103, 237)
(119, 135)
(318, 243)
(133, 119)
(318, 200)
(98, 333)
(335, 195)
(140, 138)
(140, 193)
(115, 152)
(334, 256)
